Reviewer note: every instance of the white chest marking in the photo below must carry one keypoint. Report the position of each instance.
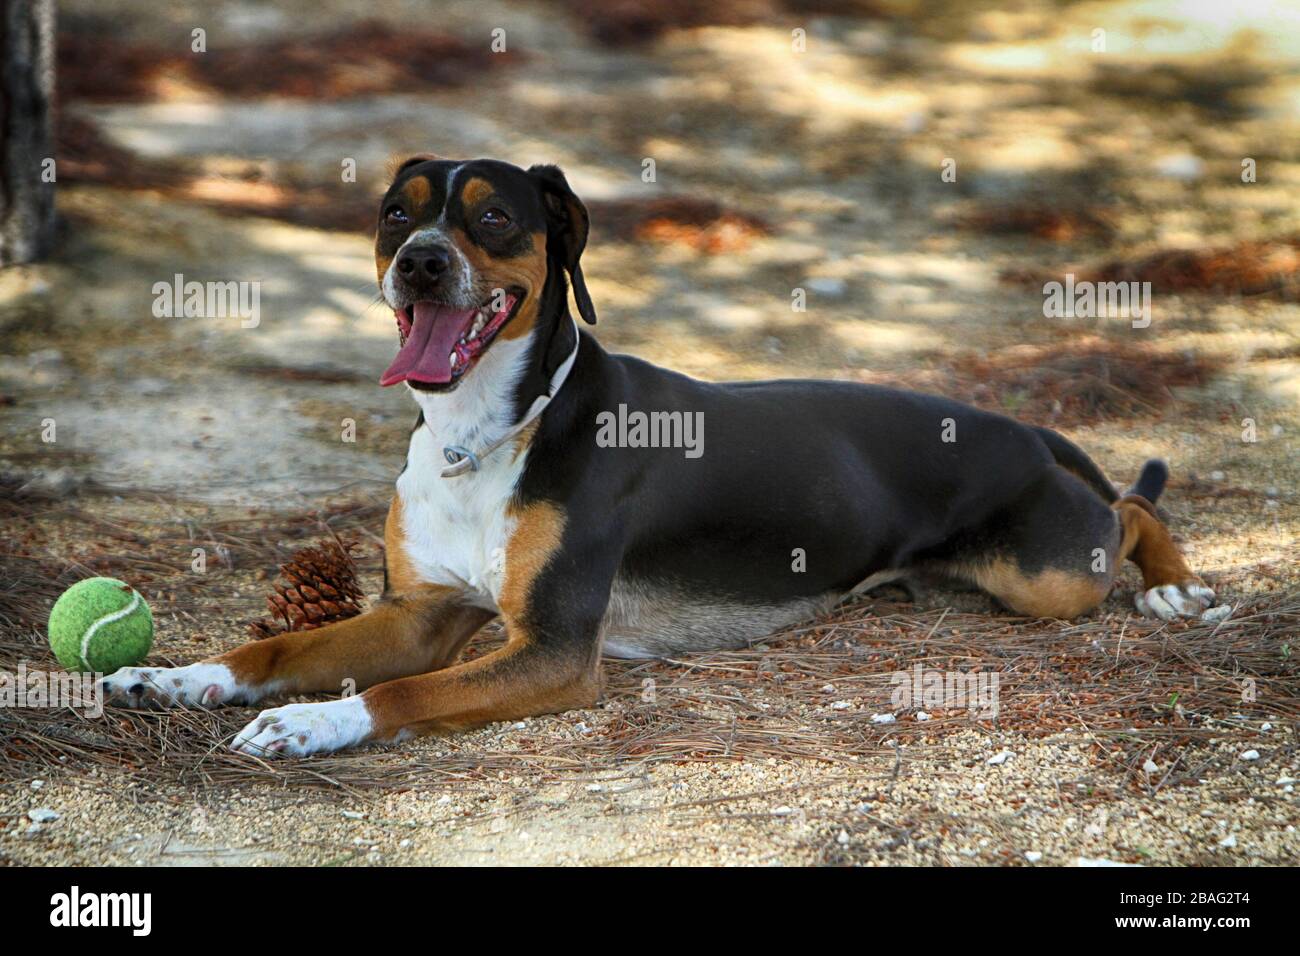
(456, 529)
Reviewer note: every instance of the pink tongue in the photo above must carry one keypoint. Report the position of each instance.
(426, 355)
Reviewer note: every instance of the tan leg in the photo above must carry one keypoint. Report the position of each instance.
(405, 635)
(416, 628)
(522, 679)
(400, 636)
(550, 663)
(1170, 588)
(519, 680)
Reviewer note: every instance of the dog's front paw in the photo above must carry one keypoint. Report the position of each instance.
(202, 685)
(301, 729)
(1169, 601)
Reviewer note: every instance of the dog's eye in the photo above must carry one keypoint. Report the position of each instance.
(496, 218)
(394, 216)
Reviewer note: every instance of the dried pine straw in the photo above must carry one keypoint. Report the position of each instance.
(1266, 269)
(1135, 689)
(1081, 382)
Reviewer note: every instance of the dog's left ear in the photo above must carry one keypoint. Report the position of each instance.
(566, 231)
(397, 164)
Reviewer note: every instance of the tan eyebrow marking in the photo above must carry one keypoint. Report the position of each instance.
(418, 191)
(475, 190)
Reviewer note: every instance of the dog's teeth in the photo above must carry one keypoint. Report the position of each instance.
(454, 359)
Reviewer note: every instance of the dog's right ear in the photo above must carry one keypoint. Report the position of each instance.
(397, 165)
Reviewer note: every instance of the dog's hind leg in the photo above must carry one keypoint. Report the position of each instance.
(1051, 553)
(1056, 551)
(1169, 588)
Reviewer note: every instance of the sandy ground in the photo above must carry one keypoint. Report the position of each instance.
(940, 804)
(839, 148)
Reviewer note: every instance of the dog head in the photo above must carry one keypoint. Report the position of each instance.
(468, 253)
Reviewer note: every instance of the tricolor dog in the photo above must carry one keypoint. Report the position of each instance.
(509, 507)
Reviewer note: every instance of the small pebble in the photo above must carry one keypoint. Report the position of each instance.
(1000, 757)
(42, 815)
(1033, 856)
(1250, 755)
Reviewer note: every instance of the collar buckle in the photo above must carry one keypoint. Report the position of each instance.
(455, 454)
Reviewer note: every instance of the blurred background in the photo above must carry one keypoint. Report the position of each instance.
(795, 146)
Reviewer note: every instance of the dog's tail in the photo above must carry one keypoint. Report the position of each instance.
(1150, 483)
(1152, 480)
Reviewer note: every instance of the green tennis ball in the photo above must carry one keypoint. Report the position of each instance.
(100, 624)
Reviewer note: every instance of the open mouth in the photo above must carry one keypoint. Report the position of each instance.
(440, 343)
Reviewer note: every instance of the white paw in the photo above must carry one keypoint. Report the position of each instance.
(1169, 601)
(202, 685)
(301, 729)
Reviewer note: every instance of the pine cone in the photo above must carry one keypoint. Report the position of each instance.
(319, 586)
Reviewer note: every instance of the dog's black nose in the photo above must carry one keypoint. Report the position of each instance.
(431, 261)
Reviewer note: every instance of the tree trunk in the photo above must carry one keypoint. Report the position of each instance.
(26, 129)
